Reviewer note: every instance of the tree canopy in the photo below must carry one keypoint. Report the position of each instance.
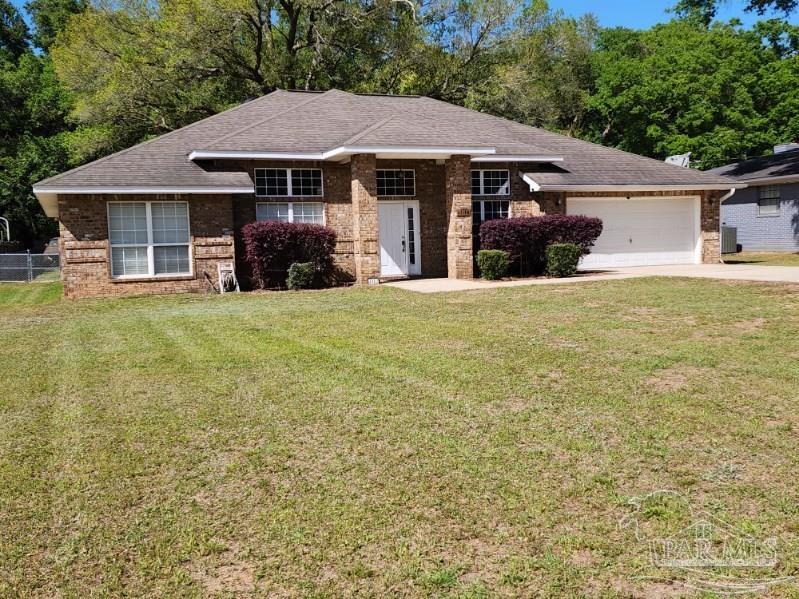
(92, 77)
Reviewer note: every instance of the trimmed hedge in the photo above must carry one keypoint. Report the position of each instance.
(271, 247)
(493, 264)
(302, 275)
(563, 259)
(526, 239)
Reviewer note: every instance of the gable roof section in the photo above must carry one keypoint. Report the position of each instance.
(330, 125)
(775, 168)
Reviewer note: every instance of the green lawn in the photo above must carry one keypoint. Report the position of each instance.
(383, 443)
(763, 258)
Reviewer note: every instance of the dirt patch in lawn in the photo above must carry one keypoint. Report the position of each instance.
(750, 326)
(675, 378)
(227, 573)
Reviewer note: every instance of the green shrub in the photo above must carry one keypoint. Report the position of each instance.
(562, 259)
(493, 264)
(302, 275)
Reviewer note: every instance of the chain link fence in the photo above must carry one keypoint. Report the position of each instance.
(29, 268)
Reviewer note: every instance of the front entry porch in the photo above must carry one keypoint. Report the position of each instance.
(416, 222)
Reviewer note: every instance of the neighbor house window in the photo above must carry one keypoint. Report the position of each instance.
(288, 182)
(491, 183)
(149, 238)
(396, 182)
(291, 212)
(769, 202)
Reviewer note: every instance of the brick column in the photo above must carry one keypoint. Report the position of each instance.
(459, 217)
(364, 214)
(711, 227)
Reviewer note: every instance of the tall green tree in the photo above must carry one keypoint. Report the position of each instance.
(50, 17)
(706, 10)
(13, 31)
(545, 77)
(150, 67)
(34, 133)
(680, 87)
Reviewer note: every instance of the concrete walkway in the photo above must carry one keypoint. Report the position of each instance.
(730, 272)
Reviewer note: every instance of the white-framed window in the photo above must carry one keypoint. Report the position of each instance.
(485, 210)
(288, 182)
(490, 182)
(149, 239)
(396, 182)
(291, 212)
(768, 203)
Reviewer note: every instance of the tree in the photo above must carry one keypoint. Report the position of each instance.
(13, 31)
(151, 67)
(706, 10)
(34, 134)
(50, 17)
(680, 87)
(545, 78)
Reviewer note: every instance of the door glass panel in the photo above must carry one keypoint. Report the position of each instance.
(411, 237)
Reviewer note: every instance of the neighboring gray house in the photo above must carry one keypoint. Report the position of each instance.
(766, 213)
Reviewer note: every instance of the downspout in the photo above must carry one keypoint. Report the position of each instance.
(723, 199)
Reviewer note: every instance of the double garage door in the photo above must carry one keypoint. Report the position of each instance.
(641, 231)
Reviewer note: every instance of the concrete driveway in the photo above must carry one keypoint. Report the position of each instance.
(729, 272)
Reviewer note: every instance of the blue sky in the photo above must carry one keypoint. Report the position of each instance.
(638, 14)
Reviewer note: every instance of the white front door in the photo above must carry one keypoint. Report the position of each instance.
(400, 248)
(641, 231)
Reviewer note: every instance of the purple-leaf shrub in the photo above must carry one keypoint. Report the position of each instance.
(271, 247)
(526, 238)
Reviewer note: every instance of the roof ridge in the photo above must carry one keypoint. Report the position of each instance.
(366, 131)
(154, 139)
(269, 118)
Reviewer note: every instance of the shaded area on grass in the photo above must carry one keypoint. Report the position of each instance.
(763, 258)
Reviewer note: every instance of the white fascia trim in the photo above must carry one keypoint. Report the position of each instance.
(518, 158)
(343, 150)
(529, 180)
(633, 188)
(141, 190)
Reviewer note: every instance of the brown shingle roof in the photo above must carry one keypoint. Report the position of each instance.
(294, 122)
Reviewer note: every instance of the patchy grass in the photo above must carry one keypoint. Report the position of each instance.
(764, 258)
(383, 443)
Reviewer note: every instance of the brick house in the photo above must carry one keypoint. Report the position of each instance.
(404, 181)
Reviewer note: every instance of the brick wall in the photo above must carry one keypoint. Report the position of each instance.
(459, 217)
(85, 254)
(363, 186)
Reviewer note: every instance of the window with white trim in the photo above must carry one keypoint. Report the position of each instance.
(288, 182)
(768, 203)
(291, 212)
(490, 182)
(149, 238)
(485, 210)
(396, 182)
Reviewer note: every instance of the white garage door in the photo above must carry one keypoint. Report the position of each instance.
(641, 231)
